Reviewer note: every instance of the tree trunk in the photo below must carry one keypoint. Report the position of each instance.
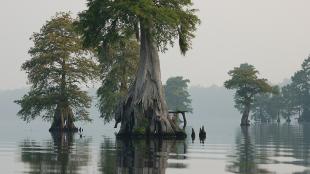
(144, 111)
(63, 120)
(245, 115)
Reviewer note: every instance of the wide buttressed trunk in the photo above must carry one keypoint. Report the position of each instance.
(144, 111)
(63, 120)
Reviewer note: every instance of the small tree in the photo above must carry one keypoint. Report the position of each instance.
(57, 68)
(246, 83)
(177, 96)
(118, 63)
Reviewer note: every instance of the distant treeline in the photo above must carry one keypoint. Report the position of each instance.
(291, 101)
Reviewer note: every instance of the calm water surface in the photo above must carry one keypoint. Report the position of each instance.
(258, 149)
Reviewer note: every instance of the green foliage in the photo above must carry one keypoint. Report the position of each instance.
(266, 106)
(289, 101)
(298, 92)
(139, 131)
(142, 127)
(177, 96)
(246, 83)
(119, 63)
(106, 21)
(109, 26)
(59, 65)
(286, 102)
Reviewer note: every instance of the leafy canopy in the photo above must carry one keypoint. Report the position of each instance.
(300, 90)
(118, 64)
(290, 100)
(106, 21)
(300, 82)
(59, 65)
(177, 95)
(246, 83)
(266, 106)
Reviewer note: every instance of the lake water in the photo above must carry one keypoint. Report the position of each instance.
(259, 149)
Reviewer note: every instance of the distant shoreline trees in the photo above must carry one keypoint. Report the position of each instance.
(266, 106)
(300, 88)
(59, 65)
(177, 95)
(293, 98)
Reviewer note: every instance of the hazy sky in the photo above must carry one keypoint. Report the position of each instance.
(273, 35)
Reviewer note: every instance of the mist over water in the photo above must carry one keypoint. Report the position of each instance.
(272, 148)
(259, 149)
(273, 36)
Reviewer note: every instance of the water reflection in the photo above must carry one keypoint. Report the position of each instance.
(108, 157)
(271, 149)
(244, 159)
(63, 154)
(141, 156)
(290, 144)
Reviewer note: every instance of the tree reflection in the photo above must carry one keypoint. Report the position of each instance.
(62, 154)
(292, 141)
(107, 163)
(244, 159)
(271, 144)
(141, 156)
(302, 149)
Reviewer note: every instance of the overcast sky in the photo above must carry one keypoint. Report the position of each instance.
(273, 35)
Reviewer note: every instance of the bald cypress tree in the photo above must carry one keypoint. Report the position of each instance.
(156, 24)
(59, 65)
(244, 79)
